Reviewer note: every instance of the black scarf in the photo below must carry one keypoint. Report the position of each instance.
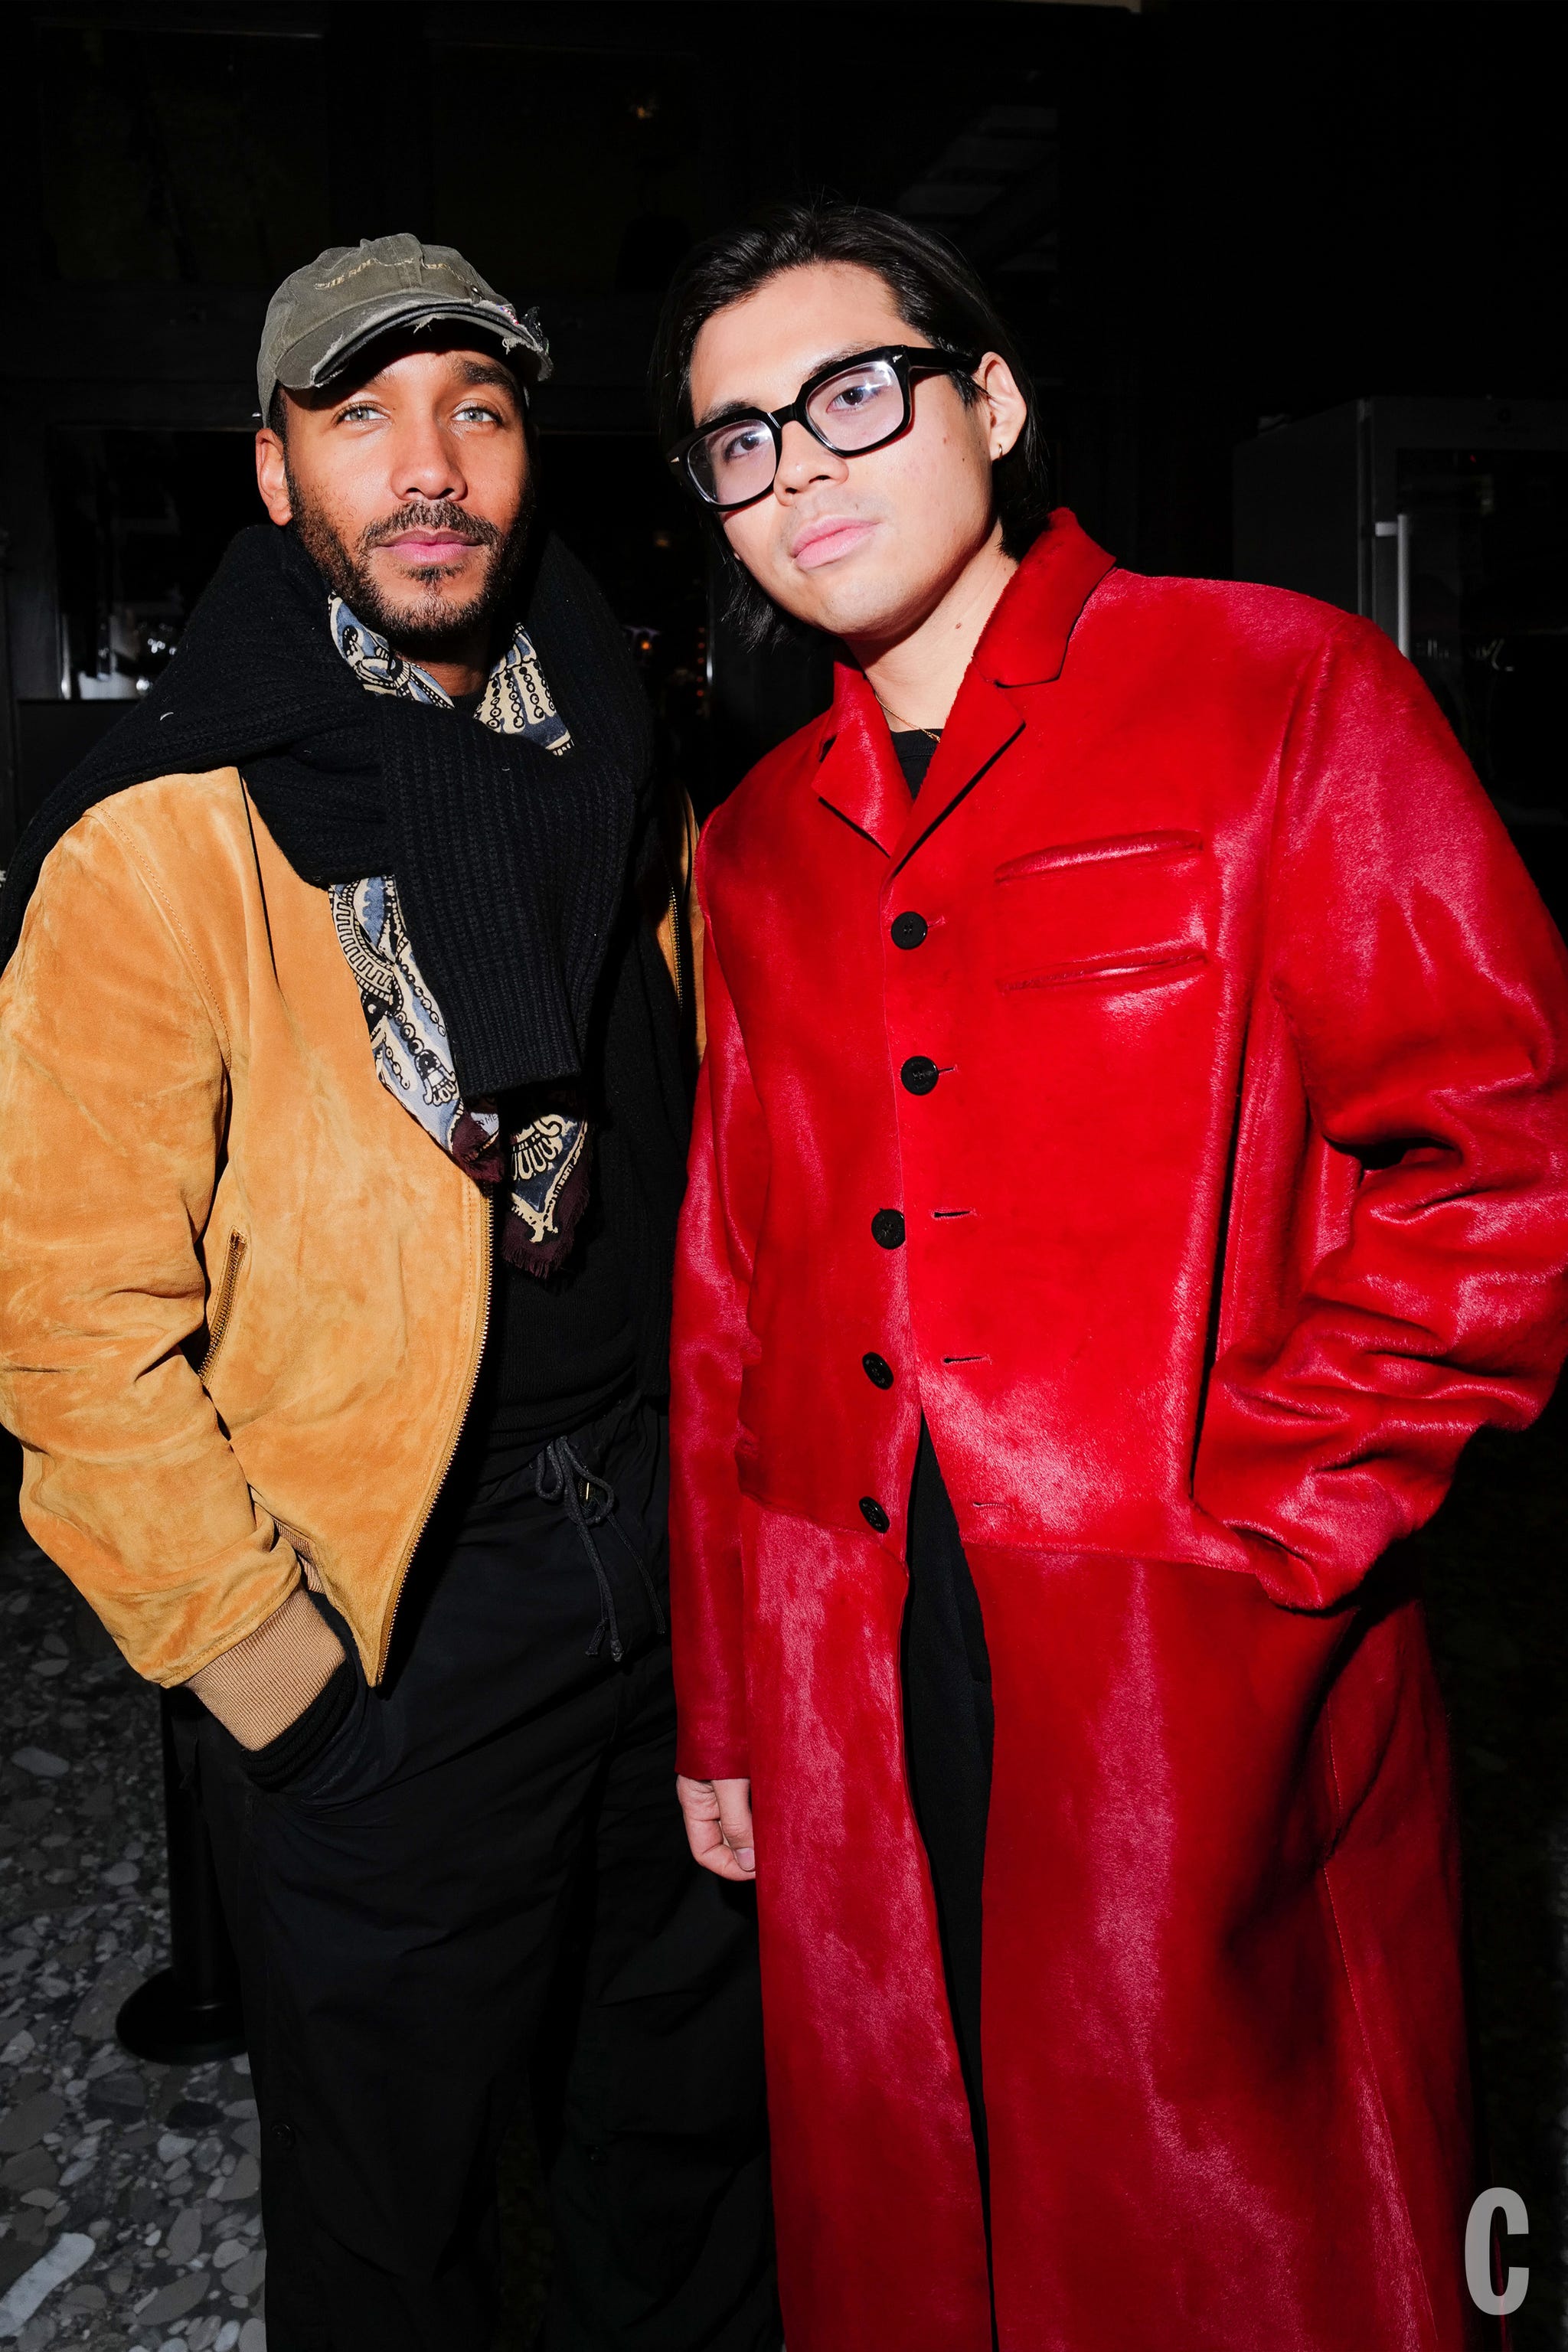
(511, 862)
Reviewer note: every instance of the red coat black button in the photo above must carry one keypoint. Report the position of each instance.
(920, 1074)
(873, 1514)
(909, 928)
(878, 1372)
(887, 1228)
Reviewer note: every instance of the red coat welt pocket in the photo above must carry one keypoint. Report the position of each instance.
(1130, 967)
(1100, 852)
(1121, 910)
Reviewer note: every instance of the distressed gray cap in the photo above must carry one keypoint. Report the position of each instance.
(321, 316)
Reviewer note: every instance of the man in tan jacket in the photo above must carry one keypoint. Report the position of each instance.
(345, 1037)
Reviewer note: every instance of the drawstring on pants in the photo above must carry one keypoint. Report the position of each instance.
(560, 1475)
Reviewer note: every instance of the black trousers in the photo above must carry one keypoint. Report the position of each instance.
(485, 1877)
(949, 1733)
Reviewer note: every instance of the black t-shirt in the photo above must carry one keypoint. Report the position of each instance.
(560, 1349)
(914, 747)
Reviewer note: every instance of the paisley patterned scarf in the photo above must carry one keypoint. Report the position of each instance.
(543, 1162)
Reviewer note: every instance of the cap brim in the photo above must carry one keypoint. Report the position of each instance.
(326, 351)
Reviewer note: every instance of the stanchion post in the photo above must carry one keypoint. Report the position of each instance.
(189, 2013)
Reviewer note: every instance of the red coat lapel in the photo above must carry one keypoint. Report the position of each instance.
(984, 721)
(858, 776)
(1025, 643)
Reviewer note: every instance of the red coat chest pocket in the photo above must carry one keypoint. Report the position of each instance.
(1117, 911)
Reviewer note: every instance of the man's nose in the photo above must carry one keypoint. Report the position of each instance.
(425, 463)
(803, 460)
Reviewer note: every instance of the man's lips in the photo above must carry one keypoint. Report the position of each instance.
(431, 546)
(824, 541)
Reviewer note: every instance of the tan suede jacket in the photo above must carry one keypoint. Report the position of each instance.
(242, 1295)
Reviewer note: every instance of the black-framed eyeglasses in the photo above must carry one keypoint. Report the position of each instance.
(852, 406)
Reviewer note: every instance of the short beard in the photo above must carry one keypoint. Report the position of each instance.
(428, 626)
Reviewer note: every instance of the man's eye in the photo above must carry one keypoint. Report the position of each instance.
(476, 408)
(356, 412)
(855, 395)
(742, 444)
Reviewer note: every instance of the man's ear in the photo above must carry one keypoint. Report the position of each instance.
(1007, 407)
(272, 475)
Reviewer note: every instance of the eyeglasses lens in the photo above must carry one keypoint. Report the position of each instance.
(736, 463)
(854, 410)
(860, 408)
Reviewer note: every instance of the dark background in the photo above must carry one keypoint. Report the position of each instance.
(1198, 219)
(1202, 221)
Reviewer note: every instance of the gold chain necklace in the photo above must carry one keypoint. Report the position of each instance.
(905, 726)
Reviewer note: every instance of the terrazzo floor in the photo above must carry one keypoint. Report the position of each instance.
(128, 2208)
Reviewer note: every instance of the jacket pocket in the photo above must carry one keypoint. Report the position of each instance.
(1135, 968)
(303, 1548)
(220, 1307)
(1117, 911)
(340, 1759)
(1102, 851)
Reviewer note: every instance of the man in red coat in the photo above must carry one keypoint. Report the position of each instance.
(1130, 1160)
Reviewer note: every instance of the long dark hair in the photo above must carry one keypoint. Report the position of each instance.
(937, 294)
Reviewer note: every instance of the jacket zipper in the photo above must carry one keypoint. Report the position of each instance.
(222, 1302)
(675, 942)
(433, 1497)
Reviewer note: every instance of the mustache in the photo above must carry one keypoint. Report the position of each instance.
(431, 514)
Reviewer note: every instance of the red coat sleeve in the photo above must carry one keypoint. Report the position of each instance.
(711, 1346)
(1423, 991)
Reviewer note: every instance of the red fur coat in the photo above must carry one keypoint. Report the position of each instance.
(1198, 1162)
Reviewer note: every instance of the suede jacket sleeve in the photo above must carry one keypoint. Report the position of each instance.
(113, 1093)
(710, 1347)
(1416, 978)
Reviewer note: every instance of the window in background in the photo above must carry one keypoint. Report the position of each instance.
(1446, 522)
(1488, 612)
(141, 520)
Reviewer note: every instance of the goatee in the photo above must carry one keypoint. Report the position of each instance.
(421, 622)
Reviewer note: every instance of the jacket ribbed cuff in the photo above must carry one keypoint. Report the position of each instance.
(265, 1682)
(296, 1749)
